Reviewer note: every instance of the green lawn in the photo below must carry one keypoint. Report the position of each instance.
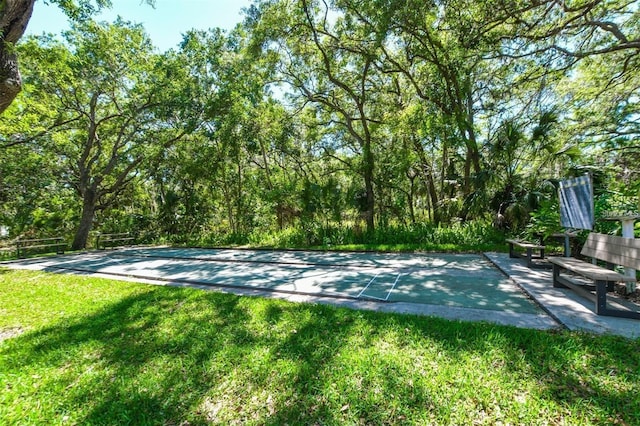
(95, 351)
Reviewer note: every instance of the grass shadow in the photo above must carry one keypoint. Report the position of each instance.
(183, 356)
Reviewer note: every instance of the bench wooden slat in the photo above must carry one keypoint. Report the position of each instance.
(617, 250)
(40, 243)
(42, 246)
(525, 244)
(589, 270)
(37, 240)
(528, 253)
(104, 240)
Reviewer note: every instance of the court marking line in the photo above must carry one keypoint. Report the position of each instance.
(381, 299)
(387, 268)
(268, 262)
(367, 286)
(392, 287)
(274, 284)
(249, 289)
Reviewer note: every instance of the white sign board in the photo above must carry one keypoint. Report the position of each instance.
(576, 203)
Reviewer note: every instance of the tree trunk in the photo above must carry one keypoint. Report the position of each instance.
(10, 82)
(410, 198)
(433, 198)
(14, 16)
(428, 178)
(465, 119)
(368, 184)
(86, 221)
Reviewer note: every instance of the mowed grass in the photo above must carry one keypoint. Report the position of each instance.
(93, 351)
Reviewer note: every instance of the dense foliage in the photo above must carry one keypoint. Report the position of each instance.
(326, 122)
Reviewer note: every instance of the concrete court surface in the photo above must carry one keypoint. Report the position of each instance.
(455, 280)
(416, 282)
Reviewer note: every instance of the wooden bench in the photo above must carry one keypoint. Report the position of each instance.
(48, 244)
(529, 253)
(113, 240)
(610, 249)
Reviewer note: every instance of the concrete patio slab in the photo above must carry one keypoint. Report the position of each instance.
(570, 309)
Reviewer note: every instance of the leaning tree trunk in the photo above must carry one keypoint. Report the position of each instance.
(86, 221)
(14, 16)
(10, 82)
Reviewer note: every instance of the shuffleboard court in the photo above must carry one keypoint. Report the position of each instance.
(456, 280)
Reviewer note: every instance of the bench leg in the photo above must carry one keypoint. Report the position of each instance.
(529, 257)
(511, 252)
(601, 297)
(556, 275)
(601, 303)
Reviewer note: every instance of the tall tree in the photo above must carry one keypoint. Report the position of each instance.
(329, 60)
(110, 97)
(226, 91)
(434, 53)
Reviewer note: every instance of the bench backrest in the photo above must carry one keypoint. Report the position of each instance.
(617, 250)
(26, 242)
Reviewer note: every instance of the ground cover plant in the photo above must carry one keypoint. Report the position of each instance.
(474, 236)
(83, 350)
